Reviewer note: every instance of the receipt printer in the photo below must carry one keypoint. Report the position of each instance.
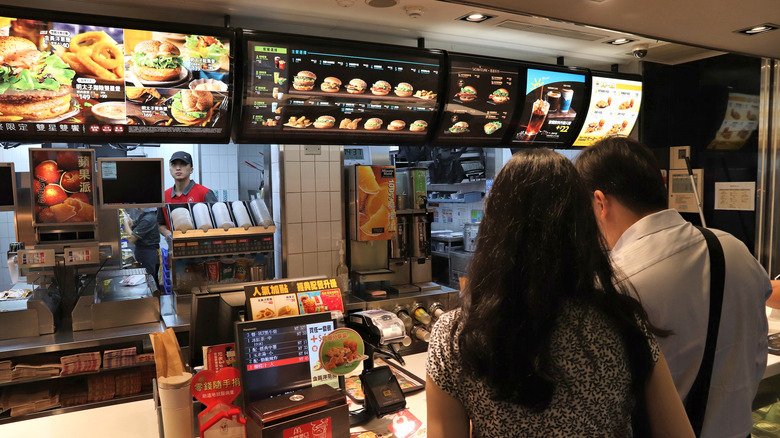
(310, 412)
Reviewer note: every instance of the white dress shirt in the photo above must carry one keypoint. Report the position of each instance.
(667, 261)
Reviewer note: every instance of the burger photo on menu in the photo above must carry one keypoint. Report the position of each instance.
(404, 89)
(324, 122)
(330, 84)
(356, 86)
(381, 88)
(467, 94)
(492, 127)
(158, 61)
(206, 53)
(192, 107)
(373, 124)
(304, 81)
(459, 128)
(396, 125)
(500, 96)
(33, 85)
(418, 126)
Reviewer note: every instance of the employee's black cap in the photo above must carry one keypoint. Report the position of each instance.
(181, 155)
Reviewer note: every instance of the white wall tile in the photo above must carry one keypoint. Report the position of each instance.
(293, 208)
(325, 264)
(310, 264)
(324, 154)
(292, 152)
(294, 238)
(295, 266)
(336, 233)
(336, 176)
(324, 240)
(307, 158)
(322, 176)
(335, 153)
(336, 206)
(308, 207)
(308, 183)
(309, 237)
(292, 177)
(334, 261)
(323, 206)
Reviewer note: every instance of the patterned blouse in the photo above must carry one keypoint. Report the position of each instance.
(595, 399)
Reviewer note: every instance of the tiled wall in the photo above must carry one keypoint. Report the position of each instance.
(219, 170)
(313, 209)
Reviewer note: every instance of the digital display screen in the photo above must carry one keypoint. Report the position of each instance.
(98, 83)
(552, 108)
(8, 181)
(480, 100)
(281, 355)
(120, 179)
(614, 108)
(336, 92)
(62, 184)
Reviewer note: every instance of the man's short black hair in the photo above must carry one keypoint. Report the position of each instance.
(625, 169)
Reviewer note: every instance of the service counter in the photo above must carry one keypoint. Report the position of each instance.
(139, 418)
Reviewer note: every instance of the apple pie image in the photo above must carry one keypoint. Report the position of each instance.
(265, 313)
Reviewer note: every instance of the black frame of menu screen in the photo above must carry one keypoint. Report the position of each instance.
(86, 89)
(567, 124)
(124, 188)
(267, 106)
(8, 182)
(274, 380)
(485, 76)
(594, 114)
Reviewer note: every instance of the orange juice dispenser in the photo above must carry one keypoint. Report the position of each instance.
(372, 223)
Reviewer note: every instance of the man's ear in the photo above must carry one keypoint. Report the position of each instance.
(600, 204)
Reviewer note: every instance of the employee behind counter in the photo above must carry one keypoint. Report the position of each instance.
(184, 190)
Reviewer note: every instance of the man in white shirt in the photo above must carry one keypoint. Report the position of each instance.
(667, 261)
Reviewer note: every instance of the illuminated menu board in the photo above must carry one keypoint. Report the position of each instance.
(613, 110)
(280, 355)
(299, 89)
(552, 108)
(67, 80)
(480, 100)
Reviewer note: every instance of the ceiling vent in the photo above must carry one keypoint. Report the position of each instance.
(381, 3)
(546, 30)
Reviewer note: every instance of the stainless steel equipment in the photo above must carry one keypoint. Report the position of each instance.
(113, 302)
(470, 231)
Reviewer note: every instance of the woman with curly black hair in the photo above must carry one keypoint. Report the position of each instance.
(546, 342)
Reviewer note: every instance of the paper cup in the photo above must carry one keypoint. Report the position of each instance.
(176, 406)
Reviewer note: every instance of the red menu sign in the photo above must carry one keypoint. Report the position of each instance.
(62, 185)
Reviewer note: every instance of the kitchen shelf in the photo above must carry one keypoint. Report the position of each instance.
(66, 376)
(6, 418)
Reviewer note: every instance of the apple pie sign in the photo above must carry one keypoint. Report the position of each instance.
(211, 388)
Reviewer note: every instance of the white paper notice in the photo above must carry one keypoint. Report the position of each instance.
(681, 195)
(735, 196)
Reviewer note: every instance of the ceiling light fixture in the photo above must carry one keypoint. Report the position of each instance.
(476, 17)
(619, 41)
(755, 30)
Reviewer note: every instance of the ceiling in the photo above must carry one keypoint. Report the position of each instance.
(517, 31)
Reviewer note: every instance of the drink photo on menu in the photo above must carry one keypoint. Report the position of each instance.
(552, 105)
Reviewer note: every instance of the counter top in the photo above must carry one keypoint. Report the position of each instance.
(139, 419)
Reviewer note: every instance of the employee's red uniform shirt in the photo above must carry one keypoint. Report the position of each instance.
(193, 193)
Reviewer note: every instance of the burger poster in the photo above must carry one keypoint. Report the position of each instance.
(552, 104)
(480, 101)
(62, 185)
(76, 80)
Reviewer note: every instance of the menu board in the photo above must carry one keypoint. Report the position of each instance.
(480, 100)
(299, 89)
(552, 108)
(62, 185)
(613, 110)
(739, 122)
(69, 81)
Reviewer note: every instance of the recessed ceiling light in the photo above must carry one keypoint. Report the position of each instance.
(755, 30)
(619, 41)
(476, 17)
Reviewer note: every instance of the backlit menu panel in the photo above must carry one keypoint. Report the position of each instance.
(553, 102)
(613, 110)
(480, 100)
(69, 80)
(337, 93)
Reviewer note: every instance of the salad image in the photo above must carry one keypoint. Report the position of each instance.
(211, 52)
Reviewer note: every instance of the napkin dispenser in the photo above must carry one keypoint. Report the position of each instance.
(312, 412)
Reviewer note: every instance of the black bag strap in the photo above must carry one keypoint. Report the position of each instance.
(696, 402)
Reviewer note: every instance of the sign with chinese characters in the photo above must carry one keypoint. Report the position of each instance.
(292, 298)
(62, 186)
(211, 388)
